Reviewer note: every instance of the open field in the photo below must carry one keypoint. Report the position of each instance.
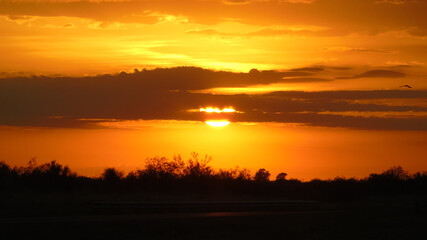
(379, 218)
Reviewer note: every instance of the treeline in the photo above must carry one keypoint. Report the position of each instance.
(176, 176)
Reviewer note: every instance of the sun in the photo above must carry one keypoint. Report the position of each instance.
(217, 123)
(217, 110)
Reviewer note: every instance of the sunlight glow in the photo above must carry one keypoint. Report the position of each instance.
(217, 110)
(217, 123)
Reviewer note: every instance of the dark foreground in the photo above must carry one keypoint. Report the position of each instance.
(379, 218)
(173, 199)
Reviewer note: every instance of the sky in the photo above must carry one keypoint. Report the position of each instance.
(318, 88)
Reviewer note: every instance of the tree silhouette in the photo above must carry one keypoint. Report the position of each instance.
(194, 176)
(5, 173)
(397, 173)
(197, 168)
(111, 175)
(162, 167)
(4, 169)
(262, 175)
(281, 177)
(244, 175)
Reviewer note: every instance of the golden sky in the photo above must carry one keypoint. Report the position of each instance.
(92, 37)
(336, 70)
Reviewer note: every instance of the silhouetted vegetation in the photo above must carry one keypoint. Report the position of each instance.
(281, 177)
(262, 175)
(175, 176)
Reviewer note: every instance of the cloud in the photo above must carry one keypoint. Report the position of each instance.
(377, 74)
(298, 1)
(85, 102)
(106, 25)
(396, 2)
(416, 32)
(266, 31)
(68, 25)
(194, 78)
(305, 80)
(205, 32)
(236, 2)
(118, 11)
(356, 49)
(20, 19)
(387, 15)
(241, 2)
(404, 64)
(309, 69)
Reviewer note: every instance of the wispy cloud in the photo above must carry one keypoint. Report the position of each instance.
(265, 31)
(357, 49)
(377, 74)
(396, 2)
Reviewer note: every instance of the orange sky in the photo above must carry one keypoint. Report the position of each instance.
(92, 37)
(326, 93)
(302, 152)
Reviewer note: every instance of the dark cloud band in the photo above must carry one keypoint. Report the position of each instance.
(162, 94)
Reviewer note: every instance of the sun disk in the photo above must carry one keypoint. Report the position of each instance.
(217, 123)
